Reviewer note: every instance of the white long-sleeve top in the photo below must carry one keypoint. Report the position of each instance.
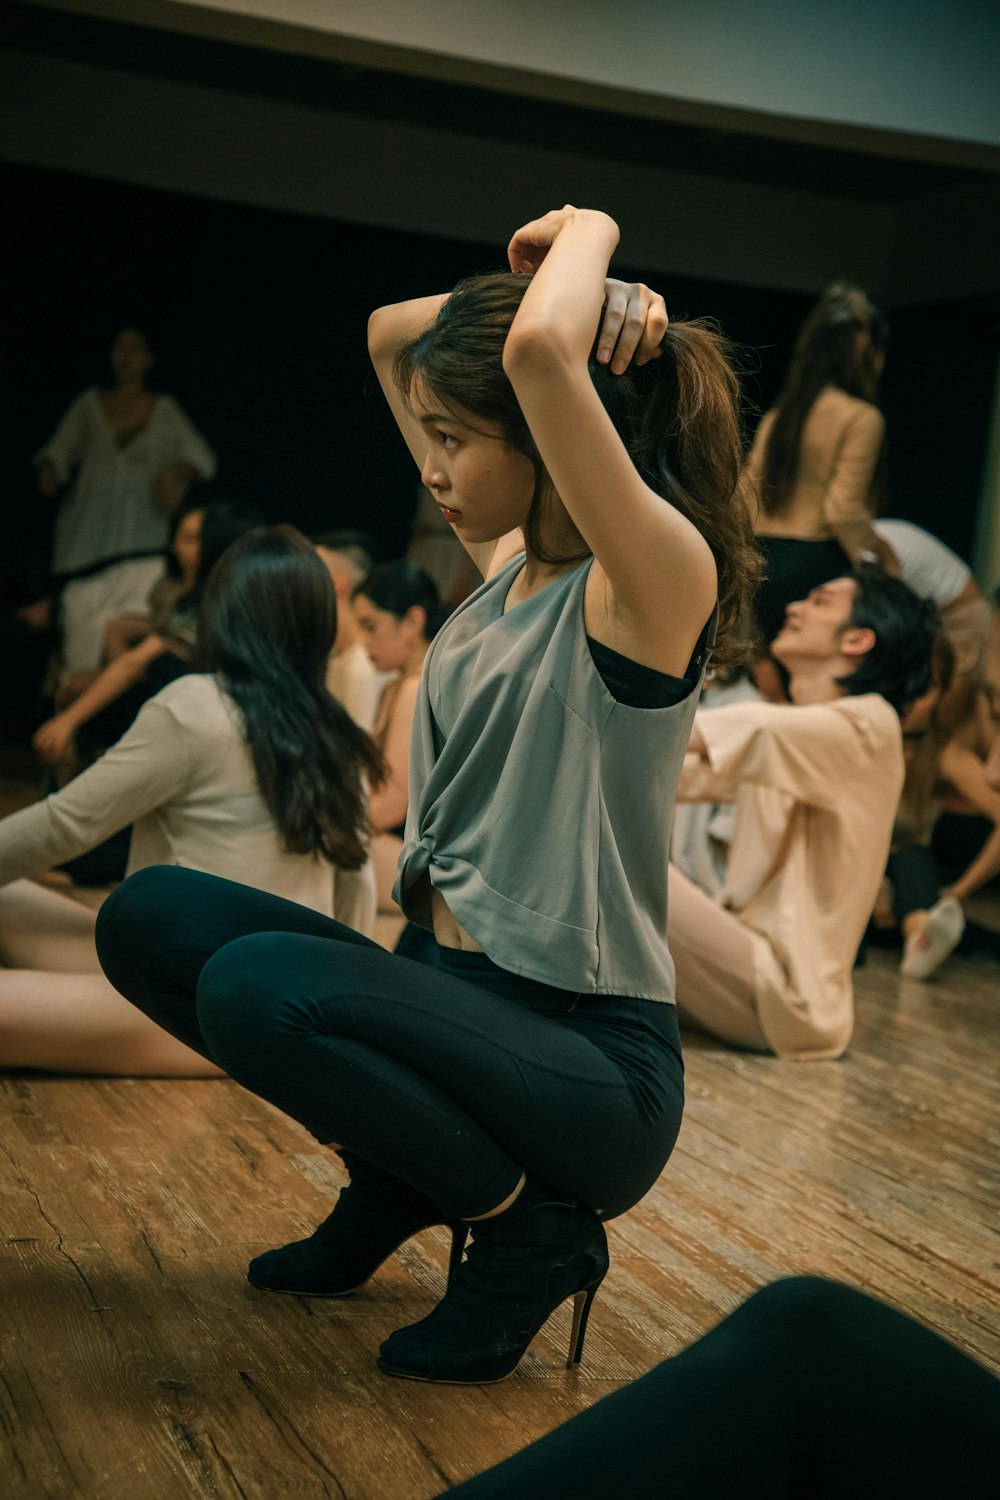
(110, 510)
(183, 777)
(816, 789)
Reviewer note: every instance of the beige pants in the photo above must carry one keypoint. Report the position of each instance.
(713, 954)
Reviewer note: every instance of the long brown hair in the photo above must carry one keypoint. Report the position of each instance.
(839, 344)
(683, 434)
(267, 625)
(922, 775)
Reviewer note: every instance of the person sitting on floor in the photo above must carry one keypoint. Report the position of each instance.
(916, 900)
(248, 769)
(816, 783)
(399, 613)
(351, 676)
(108, 705)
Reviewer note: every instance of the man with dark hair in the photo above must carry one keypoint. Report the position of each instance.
(816, 783)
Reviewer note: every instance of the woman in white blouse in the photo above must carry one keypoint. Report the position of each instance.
(128, 454)
(251, 771)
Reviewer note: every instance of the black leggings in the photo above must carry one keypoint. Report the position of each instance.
(810, 1389)
(451, 1074)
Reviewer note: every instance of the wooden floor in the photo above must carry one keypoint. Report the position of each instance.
(137, 1363)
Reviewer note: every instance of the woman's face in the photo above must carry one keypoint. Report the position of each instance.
(187, 546)
(391, 642)
(131, 356)
(482, 487)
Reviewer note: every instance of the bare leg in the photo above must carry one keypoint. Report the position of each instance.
(77, 1023)
(43, 929)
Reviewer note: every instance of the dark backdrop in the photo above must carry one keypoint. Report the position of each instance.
(260, 322)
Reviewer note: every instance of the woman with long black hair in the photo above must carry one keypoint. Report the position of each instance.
(247, 769)
(818, 458)
(523, 1081)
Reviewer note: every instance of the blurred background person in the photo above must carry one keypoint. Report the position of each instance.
(937, 573)
(128, 455)
(352, 677)
(247, 769)
(180, 572)
(817, 460)
(399, 612)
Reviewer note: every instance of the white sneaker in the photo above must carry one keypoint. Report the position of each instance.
(942, 935)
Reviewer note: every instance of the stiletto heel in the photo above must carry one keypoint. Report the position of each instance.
(518, 1270)
(581, 1312)
(459, 1236)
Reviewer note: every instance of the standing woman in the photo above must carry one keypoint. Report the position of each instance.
(399, 613)
(817, 459)
(524, 1081)
(247, 769)
(128, 455)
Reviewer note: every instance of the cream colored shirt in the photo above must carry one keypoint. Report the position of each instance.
(354, 682)
(831, 495)
(183, 777)
(816, 790)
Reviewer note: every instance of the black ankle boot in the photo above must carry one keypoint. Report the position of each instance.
(373, 1216)
(519, 1267)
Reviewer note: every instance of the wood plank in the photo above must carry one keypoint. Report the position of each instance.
(135, 1359)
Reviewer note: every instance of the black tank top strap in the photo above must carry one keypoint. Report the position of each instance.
(636, 686)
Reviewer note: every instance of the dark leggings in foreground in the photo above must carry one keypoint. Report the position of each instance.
(451, 1074)
(809, 1391)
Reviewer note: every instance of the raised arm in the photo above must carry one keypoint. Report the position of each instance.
(389, 328)
(655, 568)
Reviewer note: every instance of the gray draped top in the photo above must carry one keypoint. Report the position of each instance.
(540, 806)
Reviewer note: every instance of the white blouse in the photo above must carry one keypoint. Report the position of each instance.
(110, 512)
(183, 777)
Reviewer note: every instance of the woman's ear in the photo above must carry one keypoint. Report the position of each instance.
(416, 616)
(857, 641)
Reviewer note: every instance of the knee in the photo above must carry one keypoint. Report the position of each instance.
(133, 914)
(242, 1011)
(800, 1315)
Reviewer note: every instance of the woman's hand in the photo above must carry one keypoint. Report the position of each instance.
(54, 740)
(532, 242)
(632, 329)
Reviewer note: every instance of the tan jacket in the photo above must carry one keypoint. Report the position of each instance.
(183, 777)
(831, 496)
(816, 790)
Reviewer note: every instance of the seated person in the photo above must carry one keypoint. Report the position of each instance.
(933, 869)
(399, 613)
(249, 770)
(179, 577)
(937, 573)
(816, 783)
(351, 675)
(140, 672)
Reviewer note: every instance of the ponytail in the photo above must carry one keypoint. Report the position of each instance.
(689, 449)
(685, 440)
